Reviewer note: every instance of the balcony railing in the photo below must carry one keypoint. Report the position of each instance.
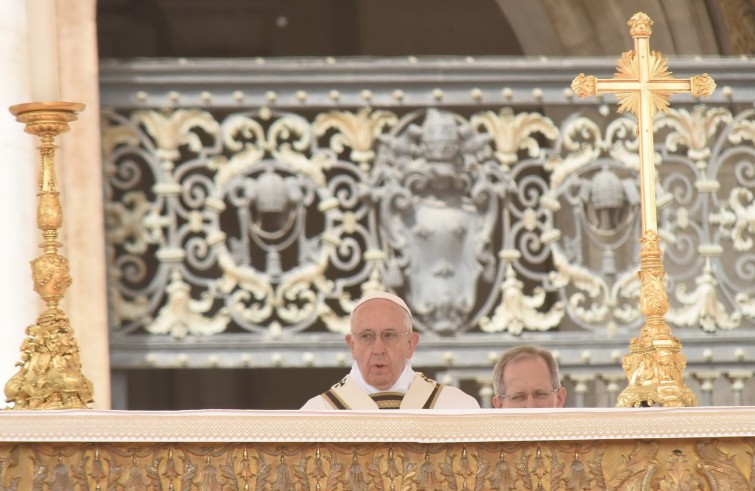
(249, 203)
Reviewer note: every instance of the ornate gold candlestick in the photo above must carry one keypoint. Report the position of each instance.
(50, 375)
(644, 85)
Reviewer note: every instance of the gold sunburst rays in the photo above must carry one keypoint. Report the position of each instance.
(628, 69)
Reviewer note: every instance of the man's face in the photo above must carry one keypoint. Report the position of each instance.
(381, 364)
(527, 383)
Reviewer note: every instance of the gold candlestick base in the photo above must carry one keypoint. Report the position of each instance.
(655, 365)
(50, 375)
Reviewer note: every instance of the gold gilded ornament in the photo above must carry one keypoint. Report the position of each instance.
(643, 84)
(49, 375)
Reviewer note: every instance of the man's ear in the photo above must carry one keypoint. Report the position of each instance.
(349, 341)
(497, 402)
(413, 341)
(561, 397)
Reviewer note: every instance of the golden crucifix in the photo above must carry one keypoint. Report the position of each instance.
(643, 85)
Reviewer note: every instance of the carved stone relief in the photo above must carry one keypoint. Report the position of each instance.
(581, 465)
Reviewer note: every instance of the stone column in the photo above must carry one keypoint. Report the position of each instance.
(80, 180)
(19, 304)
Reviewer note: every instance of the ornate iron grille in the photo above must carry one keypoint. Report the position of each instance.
(248, 206)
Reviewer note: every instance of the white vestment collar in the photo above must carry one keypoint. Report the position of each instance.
(402, 384)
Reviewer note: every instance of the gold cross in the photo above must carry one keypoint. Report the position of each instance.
(643, 85)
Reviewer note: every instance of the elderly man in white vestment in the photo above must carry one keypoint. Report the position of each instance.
(382, 344)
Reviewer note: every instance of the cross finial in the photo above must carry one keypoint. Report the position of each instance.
(640, 25)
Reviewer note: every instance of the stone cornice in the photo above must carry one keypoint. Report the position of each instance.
(299, 83)
(370, 426)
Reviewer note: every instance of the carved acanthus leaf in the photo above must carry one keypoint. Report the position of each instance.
(176, 128)
(567, 273)
(336, 471)
(128, 224)
(746, 304)
(679, 475)
(294, 297)
(357, 131)
(483, 469)
(128, 310)
(511, 133)
(720, 468)
(114, 135)
(637, 467)
(742, 130)
(288, 139)
(701, 307)
(518, 311)
(621, 142)
(228, 473)
(447, 469)
(625, 295)
(692, 129)
(246, 138)
(737, 221)
(181, 315)
(581, 142)
(409, 473)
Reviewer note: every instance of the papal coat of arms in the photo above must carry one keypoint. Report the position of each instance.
(438, 197)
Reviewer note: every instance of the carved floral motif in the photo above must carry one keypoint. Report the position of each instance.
(269, 223)
(620, 465)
